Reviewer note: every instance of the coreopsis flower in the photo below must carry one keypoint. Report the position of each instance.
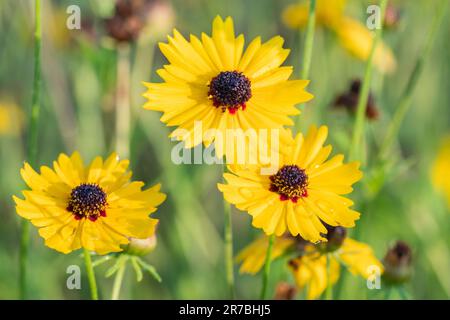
(354, 36)
(96, 207)
(349, 100)
(441, 170)
(303, 192)
(309, 267)
(397, 263)
(253, 256)
(213, 80)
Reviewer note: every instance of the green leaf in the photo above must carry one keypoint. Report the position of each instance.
(151, 269)
(137, 268)
(121, 260)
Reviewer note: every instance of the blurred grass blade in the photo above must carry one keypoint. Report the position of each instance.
(358, 128)
(406, 98)
(32, 143)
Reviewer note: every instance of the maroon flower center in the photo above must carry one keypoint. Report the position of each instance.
(88, 200)
(290, 182)
(230, 90)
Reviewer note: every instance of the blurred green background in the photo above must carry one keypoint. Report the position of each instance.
(78, 103)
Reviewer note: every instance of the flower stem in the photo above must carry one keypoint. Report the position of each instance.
(329, 289)
(406, 98)
(90, 274)
(267, 263)
(118, 282)
(228, 230)
(123, 111)
(308, 44)
(32, 144)
(358, 128)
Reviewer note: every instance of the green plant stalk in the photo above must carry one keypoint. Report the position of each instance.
(90, 275)
(267, 263)
(118, 282)
(32, 144)
(406, 98)
(228, 231)
(308, 46)
(358, 128)
(123, 109)
(329, 289)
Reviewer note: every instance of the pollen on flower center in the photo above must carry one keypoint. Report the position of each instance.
(88, 200)
(290, 182)
(230, 90)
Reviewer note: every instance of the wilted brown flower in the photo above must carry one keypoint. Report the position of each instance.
(397, 263)
(131, 16)
(285, 291)
(349, 100)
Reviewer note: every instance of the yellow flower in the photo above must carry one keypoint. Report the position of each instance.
(354, 36)
(304, 191)
(11, 117)
(95, 207)
(213, 80)
(310, 270)
(357, 39)
(441, 170)
(253, 256)
(328, 13)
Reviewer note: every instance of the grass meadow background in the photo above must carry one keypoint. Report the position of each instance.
(78, 102)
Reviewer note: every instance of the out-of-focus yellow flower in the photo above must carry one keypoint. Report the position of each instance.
(441, 169)
(354, 36)
(253, 256)
(328, 13)
(357, 39)
(310, 270)
(11, 119)
(95, 207)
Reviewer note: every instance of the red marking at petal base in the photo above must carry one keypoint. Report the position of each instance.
(103, 213)
(93, 218)
(243, 106)
(283, 197)
(77, 217)
(305, 194)
(232, 110)
(294, 199)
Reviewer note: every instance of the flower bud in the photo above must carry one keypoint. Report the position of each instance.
(335, 238)
(397, 263)
(140, 247)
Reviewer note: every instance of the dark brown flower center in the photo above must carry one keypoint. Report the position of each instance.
(88, 200)
(290, 182)
(230, 90)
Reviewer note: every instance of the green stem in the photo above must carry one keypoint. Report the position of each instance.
(32, 144)
(123, 109)
(406, 98)
(90, 275)
(267, 263)
(228, 245)
(308, 44)
(329, 289)
(118, 282)
(358, 128)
